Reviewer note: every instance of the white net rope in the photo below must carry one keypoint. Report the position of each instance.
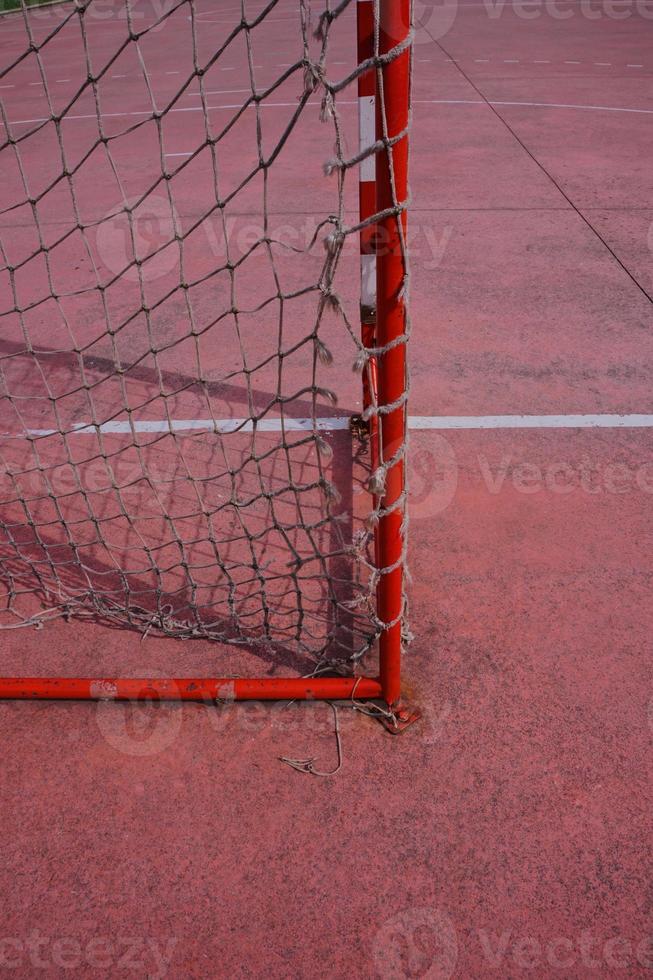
(178, 300)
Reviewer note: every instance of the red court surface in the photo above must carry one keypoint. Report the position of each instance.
(508, 833)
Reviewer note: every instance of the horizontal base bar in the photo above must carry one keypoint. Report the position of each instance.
(189, 688)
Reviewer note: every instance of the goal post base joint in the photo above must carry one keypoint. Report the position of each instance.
(400, 717)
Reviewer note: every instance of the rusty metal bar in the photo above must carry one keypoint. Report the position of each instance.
(189, 688)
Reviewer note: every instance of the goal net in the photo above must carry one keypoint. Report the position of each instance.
(181, 222)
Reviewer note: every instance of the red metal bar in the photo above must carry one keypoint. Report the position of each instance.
(391, 324)
(189, 688)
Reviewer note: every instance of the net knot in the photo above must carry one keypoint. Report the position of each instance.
(330, 166)
(333, 242)
(313, 76)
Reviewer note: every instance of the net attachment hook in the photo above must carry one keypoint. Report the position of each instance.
(359, 427)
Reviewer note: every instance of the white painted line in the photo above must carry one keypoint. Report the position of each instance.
(194, 425)
(268, 20)
(541, 62)
(436, 422)
(119, 76)
(60, 81)
(481, 61)
(7, 86)
(189, 153)
(530, 421)
(368, 280)
(222, 91)
(634, 66)
(172, 73)
(341, 102)
(573, 62)
(562, 105)
(533, 105)
(603, 64)
(148, 112)
(367, 135)
(511, 61)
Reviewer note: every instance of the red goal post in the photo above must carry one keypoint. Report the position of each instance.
(384, 43)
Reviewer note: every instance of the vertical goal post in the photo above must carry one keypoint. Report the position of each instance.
(383, 89)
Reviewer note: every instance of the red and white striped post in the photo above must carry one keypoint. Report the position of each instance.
(368, 208)
(367, 201)
(367, 187)
(392, 114)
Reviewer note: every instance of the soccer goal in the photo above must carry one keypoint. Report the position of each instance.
(203, 293)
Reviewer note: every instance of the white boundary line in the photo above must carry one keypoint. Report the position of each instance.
(530, 105)
(530, 421)
(341, 102)
(338, 423)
